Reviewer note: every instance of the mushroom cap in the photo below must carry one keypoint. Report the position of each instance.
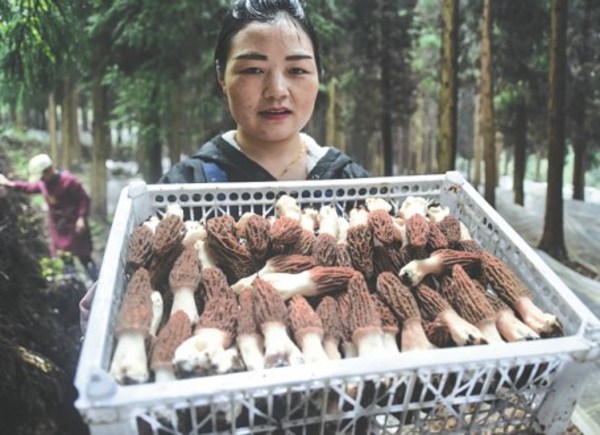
(177, 329)
(229, 254)
(330, 316)
(135, 313)
(186, 270)
(258, 237)
(214, 282)
(293, 263)
(397, 296)
(285, 231)
(169, 234)
(220, 312)
(302, 317)
(247, 324)
(363, 312)
(139, 247)
(382, 225)
(268, 305)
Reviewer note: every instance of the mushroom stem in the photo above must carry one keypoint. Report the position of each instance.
(438, 262)
(313, 282)
(280, 350)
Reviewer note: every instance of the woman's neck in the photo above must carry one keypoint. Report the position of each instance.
(285, 160)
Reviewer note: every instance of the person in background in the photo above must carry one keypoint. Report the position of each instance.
(68, 208)
(268, 65)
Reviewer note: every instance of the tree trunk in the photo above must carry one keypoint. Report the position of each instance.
(100, 149)
(578, 112)
(74, 142)
(83, 105)
(65, 126)
(387, 136)
(449, 87)
(52, 127)
(487, 105)
(520, 141)
(552, 240)
(176, 123)
(477, 142)
(150, 141)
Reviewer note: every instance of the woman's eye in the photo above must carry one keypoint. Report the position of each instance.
(298, 71)
(251, 70)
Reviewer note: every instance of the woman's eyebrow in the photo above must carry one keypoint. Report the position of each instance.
(251, 56)
(258, 56)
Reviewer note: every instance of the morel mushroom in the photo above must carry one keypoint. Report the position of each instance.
(514, 292)
(271, 315)
(170, 231)
(452, 227)
(139, 245)
(286, 229)
(413, 211)
(213, 282)
(249, 340)
(183, 281)
(130, 361)
(510, 327)
(208, 351)
(439, 261)
(166, 245)
(471, 304)
(255, 229)
(325, 248)
(367, 334)
(380, 220)
(343, 254)
(403, 304)
(328, 312)
(305, 243)
(445, 321)
(360, 241)
(349, 348)
(313, 282)
(279, 264)
(177, 329)
(230, 255)
(307, 329)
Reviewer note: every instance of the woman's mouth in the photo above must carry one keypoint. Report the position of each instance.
(274, 114)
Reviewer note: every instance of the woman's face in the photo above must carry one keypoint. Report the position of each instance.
(271, 81)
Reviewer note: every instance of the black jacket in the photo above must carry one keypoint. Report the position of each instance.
(333, 165)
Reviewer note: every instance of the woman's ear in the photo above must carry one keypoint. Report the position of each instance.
(220, 76)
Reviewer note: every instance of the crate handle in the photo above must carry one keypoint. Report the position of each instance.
(101, 385)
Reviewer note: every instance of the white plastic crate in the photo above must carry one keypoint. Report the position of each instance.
(508, 388)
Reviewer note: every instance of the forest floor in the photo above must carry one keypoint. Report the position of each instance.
(37, 368)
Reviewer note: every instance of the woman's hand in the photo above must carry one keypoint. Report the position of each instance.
(80, 225)
(5, 181)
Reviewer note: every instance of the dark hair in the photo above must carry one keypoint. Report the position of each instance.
(244, 12)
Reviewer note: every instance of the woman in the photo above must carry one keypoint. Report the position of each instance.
(268, 66)
(68, 209)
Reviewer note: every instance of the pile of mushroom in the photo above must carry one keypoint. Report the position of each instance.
(307, 286)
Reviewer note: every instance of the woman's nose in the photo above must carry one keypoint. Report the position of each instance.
(276, 86)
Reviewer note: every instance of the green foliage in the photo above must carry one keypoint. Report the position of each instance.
(52, 267)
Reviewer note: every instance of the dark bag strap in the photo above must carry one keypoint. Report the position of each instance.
(213, 173)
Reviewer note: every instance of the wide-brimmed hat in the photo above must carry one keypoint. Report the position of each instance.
(37, 165)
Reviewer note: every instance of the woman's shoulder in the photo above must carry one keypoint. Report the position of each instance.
(193, 169)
